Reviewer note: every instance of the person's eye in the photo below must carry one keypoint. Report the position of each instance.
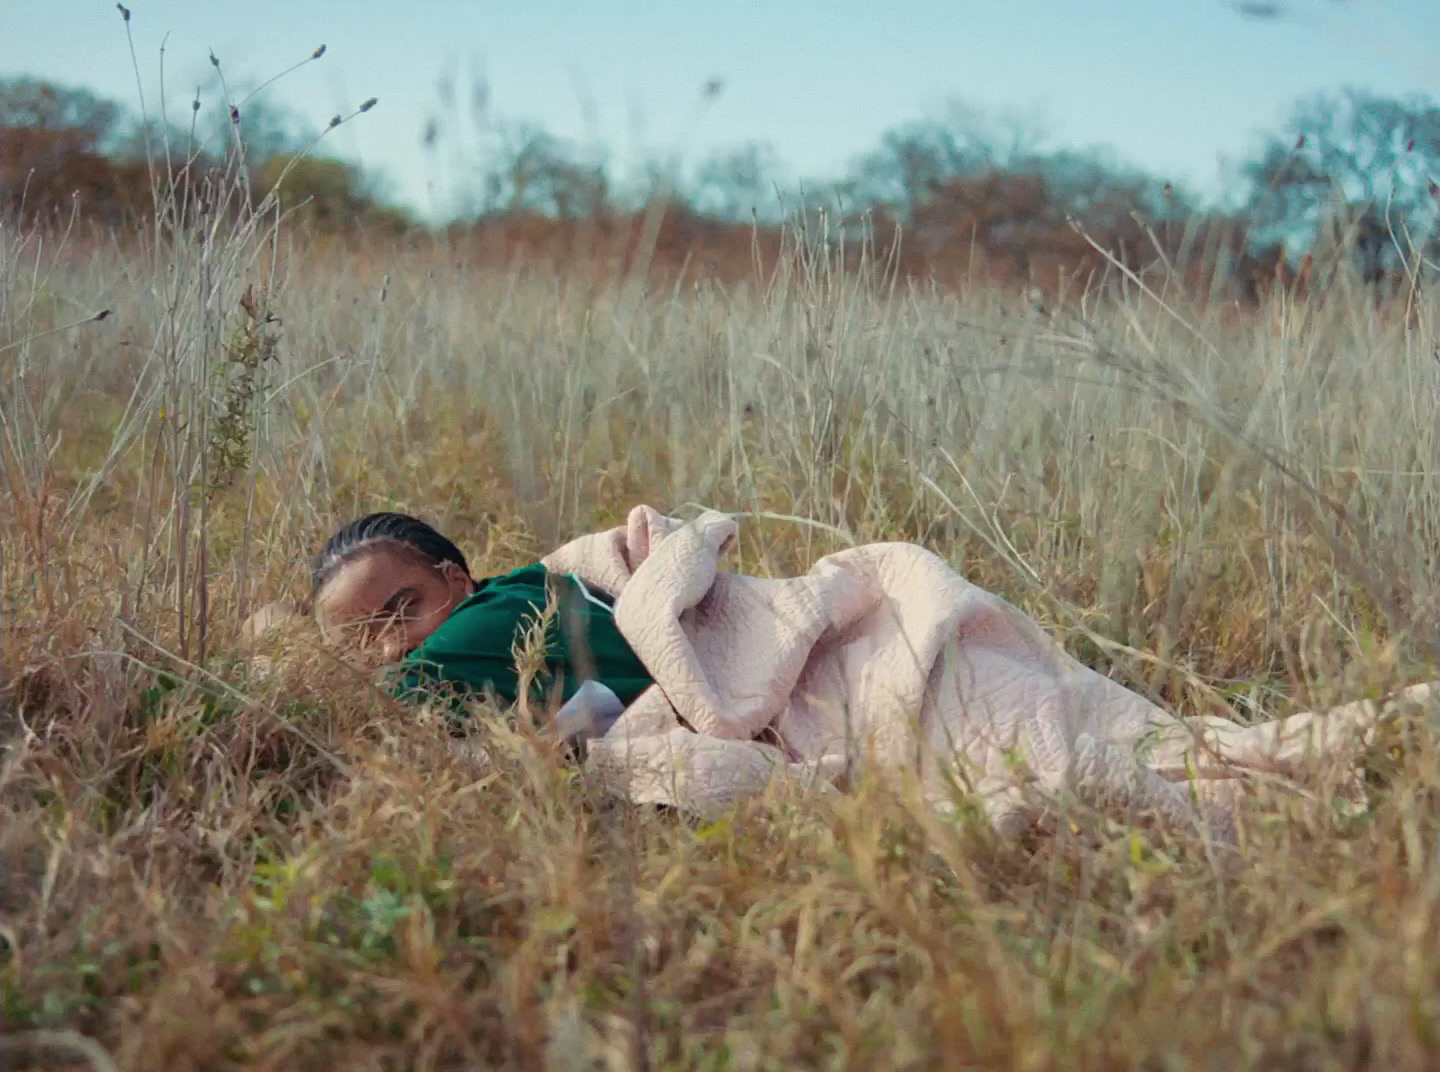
(402, 608)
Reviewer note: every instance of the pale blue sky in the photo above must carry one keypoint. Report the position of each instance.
(1174, 86)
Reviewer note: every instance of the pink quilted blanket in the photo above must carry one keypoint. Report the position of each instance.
(884, 655)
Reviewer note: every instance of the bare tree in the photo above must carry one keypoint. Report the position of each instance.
(532, 171)
(738, 184)
(1349, 160)
(915, 160)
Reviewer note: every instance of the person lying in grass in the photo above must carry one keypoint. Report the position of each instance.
(390, 584)
(694, 687)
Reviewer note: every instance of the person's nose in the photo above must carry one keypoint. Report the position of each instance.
(393, 646)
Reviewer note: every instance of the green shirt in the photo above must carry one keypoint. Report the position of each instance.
(473, 649)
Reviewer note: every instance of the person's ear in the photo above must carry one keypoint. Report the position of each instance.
(457, 579)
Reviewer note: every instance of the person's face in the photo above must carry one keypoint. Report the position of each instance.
(388, 601)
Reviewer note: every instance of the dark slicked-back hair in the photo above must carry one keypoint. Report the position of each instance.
(373, 531)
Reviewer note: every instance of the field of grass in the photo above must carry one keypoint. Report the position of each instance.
(1231, 511)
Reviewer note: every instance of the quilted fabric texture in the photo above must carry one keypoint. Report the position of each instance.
(885, 655)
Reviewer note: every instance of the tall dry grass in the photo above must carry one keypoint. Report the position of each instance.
(202, 870)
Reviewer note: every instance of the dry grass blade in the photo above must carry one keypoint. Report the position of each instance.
(60, 1042)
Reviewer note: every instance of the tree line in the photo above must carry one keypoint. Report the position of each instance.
(68, 153)
(1347, 182)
